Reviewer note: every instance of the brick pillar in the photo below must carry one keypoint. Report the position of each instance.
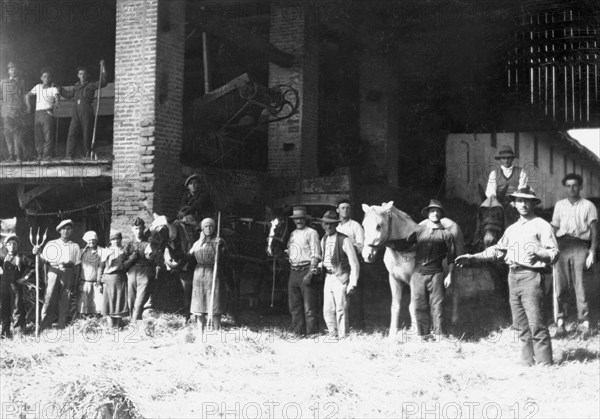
(379, 116)
(148, 124)
(293, 142)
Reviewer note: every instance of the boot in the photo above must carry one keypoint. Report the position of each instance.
(216, 322)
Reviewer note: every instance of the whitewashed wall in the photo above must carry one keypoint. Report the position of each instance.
(470, 158)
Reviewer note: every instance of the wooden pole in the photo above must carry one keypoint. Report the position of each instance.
(92, 153)
(214, 278)
(273, 287)
(205, 58)
(37, 295)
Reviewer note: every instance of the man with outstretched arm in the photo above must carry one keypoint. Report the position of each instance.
(529, 248)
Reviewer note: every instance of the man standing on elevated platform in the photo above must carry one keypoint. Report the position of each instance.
(82, 120)
(47, 99)
(12, 104)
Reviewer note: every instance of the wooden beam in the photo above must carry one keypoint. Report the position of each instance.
(236, 83)
(243, 38)
(54, 171)
(26, 197)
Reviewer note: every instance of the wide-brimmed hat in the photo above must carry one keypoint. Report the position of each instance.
(505, 151)
(526, 193)
(190, 178)
(298, 212)
(12, 237)
(62, 224)
(331, 216)
(12, 64)
(433, 203)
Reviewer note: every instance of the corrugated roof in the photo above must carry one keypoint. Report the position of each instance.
(580, 148)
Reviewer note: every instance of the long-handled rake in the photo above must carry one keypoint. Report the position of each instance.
(39, 241)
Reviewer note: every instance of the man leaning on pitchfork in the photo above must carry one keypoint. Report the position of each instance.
(63, 257)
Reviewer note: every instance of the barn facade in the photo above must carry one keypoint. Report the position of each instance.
(257, 96)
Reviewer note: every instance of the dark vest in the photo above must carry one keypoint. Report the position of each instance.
(339, 258)
(512, 181)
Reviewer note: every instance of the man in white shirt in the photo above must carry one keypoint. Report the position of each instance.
(356, 234)
(575, 222)
(63, 257)
(341, 267)
(304, 253)
(47, 99)
(529, 248)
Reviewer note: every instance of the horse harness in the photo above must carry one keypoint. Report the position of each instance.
(400, 245)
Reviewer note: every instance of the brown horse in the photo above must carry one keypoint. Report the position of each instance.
(387, 226)
(492, 221)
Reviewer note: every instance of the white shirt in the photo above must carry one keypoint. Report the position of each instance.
(354, 231)
(574, 219)
(522, 237)
(304, 246)
(491, 185)
(45, 97)
(57, 251)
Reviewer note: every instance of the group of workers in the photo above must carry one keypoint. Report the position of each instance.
(117, 281)
(16, 103)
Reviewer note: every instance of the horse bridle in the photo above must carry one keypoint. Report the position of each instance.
(386, 238)
(281, 238)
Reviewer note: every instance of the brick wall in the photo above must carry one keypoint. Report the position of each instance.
(294, 31)
(379, 113)
(148, 108)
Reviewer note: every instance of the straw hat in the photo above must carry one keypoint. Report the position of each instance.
(526, 193)
(298, 212)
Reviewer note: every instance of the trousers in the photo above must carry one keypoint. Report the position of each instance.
(81, 129)
(303, 302)
(568, 272)
(335, 306)
(139, 287)
(45, 129)
(13, 134)
(11, 303)
(60, 284)
(427, 294)
(526, 288)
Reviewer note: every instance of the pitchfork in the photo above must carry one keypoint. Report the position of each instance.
(39, 241)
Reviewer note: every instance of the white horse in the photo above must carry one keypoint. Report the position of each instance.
(387, 226)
